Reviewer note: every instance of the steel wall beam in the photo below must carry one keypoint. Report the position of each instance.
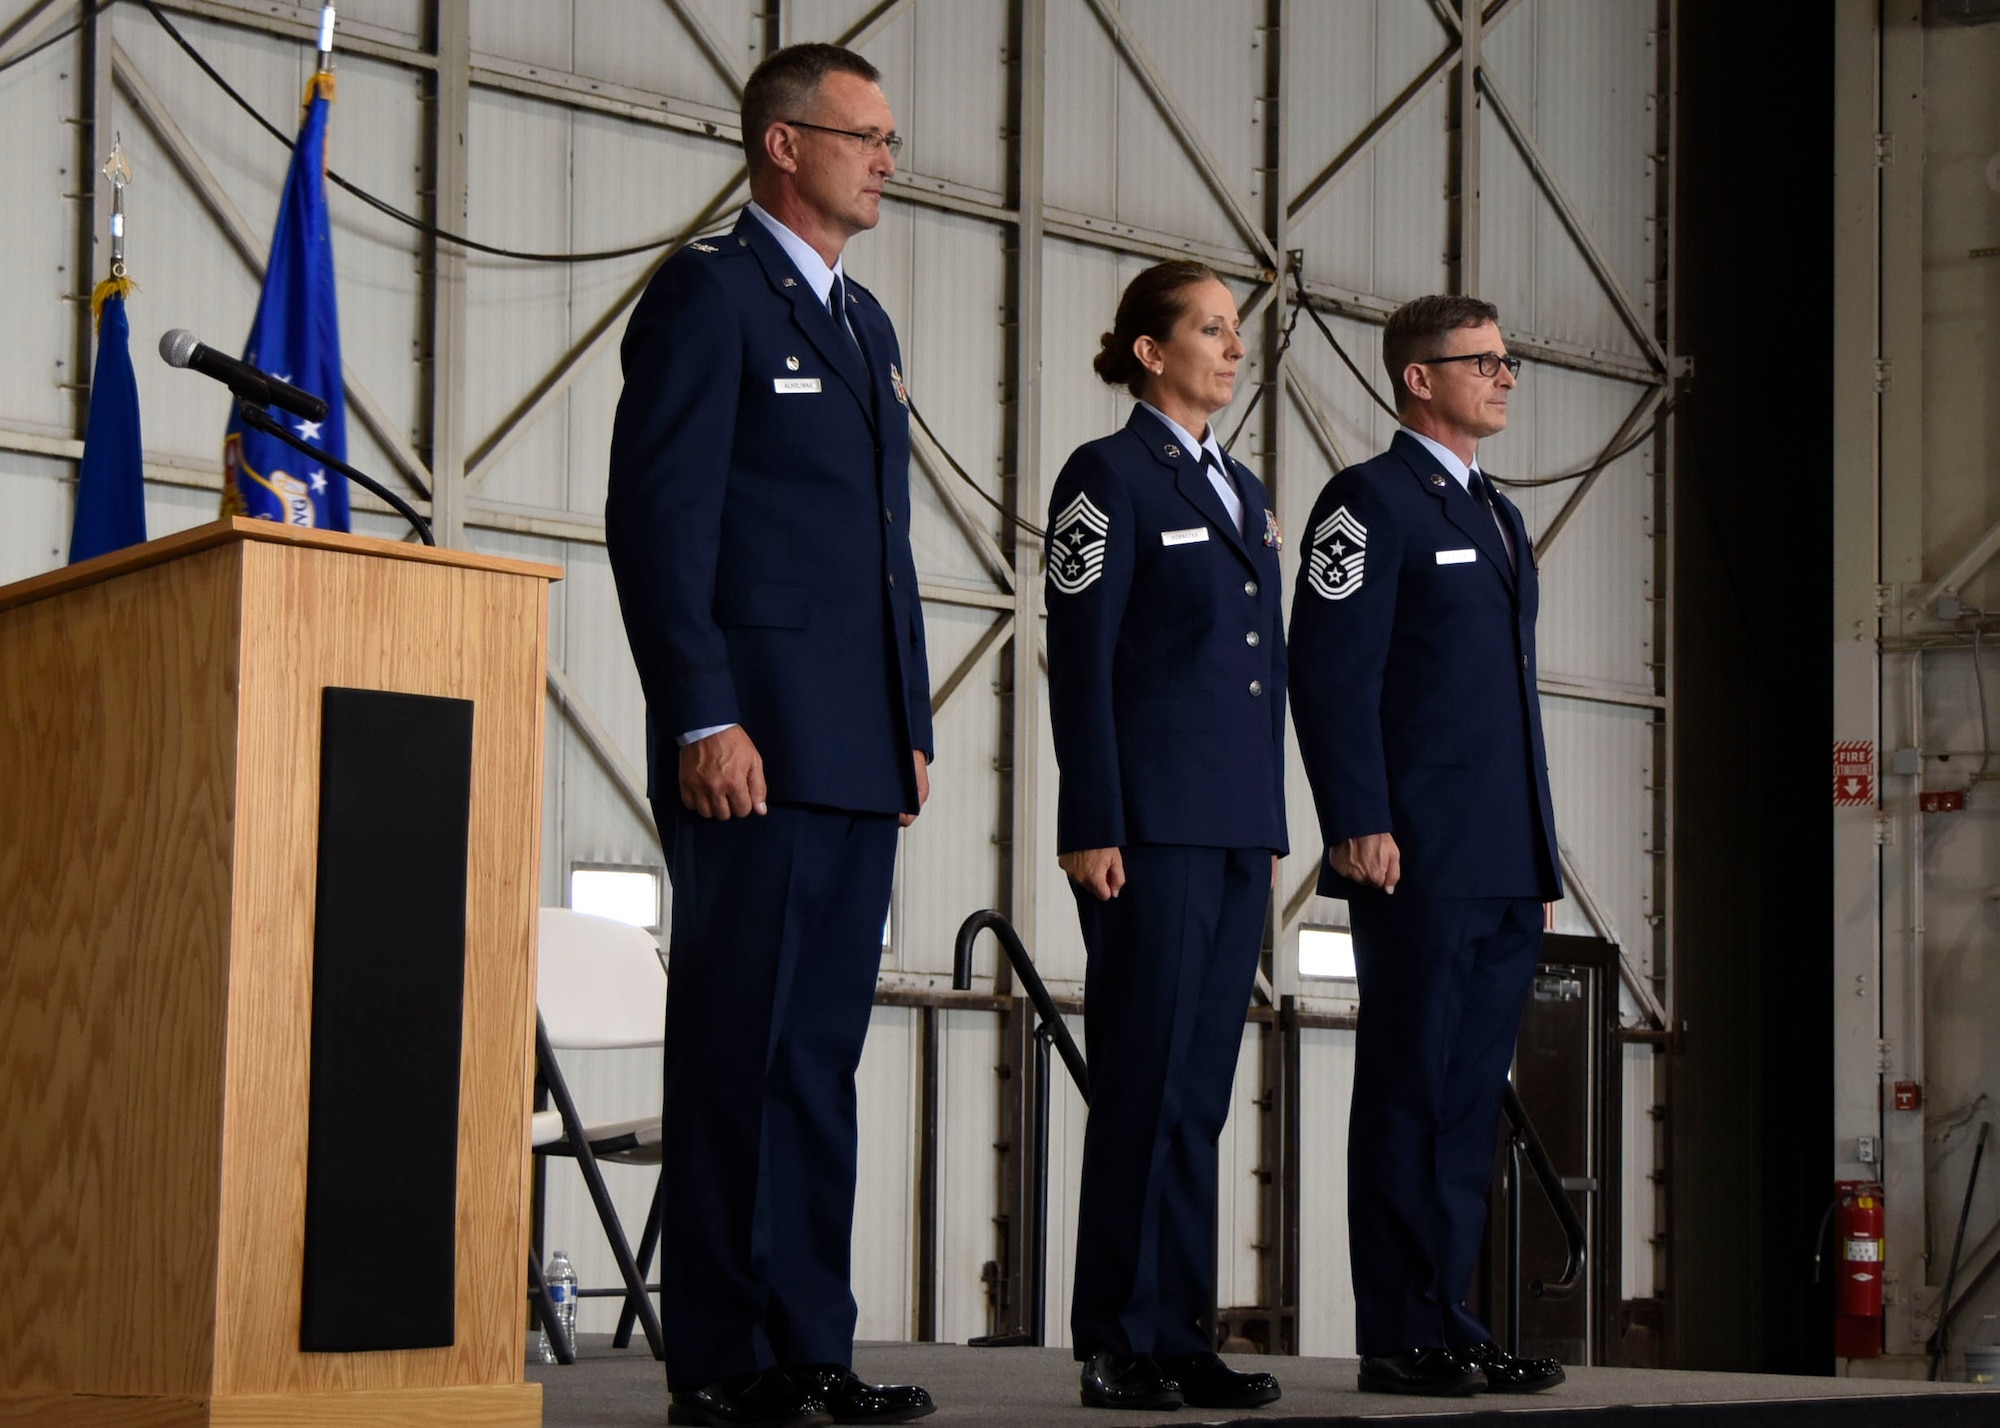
(1362, 144)
(1572, 221)
(448, 116)
(597, 738)
(1025, 440)
(1179, 125)
(712, 48)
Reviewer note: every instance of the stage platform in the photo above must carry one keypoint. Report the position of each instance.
(987, 1388)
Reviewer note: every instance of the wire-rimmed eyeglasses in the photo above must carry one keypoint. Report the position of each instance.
(871, 139)
(1490, 363)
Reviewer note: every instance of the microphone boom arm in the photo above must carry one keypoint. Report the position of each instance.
(256, 416)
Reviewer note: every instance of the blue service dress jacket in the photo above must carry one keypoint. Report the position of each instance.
(758, 525)
(1413, 681)
(1166, 650)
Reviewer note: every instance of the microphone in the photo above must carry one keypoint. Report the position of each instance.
(180, 348)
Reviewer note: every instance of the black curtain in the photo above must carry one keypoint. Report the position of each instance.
(1751, 1092)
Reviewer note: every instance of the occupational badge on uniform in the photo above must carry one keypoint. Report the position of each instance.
(1334, 560)
(896, 381)
(1273, 536)
(791, 364)
(1076, 546)
(704, 247)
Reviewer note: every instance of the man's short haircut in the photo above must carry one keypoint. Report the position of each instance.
(1416, 331)
(785, 85)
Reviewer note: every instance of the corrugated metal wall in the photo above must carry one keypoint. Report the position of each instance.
(596, 123)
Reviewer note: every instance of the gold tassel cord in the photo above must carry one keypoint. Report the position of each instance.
(321, 83)
(116, 286)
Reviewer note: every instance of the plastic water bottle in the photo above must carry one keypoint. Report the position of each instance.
(561, 1279)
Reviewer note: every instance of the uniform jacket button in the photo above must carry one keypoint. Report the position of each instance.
(1253, 639)
(892, 582)
(1250, 587)
(1256, 687)
(889, 516)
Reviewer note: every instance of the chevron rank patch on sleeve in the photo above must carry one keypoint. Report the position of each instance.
(1076, 546)
(1338, 552)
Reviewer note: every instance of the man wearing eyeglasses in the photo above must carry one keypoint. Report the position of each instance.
(1412, 654)
(757, 522)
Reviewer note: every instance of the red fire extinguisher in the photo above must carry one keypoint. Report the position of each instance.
(1857, 1293)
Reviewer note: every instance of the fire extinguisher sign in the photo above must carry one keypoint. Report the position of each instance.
(1854, 773)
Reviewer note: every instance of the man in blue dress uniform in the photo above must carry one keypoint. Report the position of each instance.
(1413, 693)
(758, 522)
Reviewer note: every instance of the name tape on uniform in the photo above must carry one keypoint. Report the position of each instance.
(1186, 537)
(794, 384)
(1457, 557)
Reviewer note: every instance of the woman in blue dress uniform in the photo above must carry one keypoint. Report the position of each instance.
(1167, 702)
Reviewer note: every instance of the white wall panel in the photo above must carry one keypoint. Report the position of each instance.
(1326, 1284)
(37, 167)
(968, 1175)
(885, 1200)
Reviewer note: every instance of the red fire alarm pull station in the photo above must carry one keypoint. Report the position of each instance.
(1941, 800)
(1909, 1096)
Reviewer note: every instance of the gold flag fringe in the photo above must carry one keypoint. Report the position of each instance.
(118, 287)
(320, 83)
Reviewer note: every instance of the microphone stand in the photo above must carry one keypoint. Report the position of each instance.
(255, 416)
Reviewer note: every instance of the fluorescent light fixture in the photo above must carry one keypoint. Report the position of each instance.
(1326, 952)
(624, 894)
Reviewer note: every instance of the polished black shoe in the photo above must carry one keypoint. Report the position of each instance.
(1434, 1373)
(1507, 1374)
(746, 1400)
(850, 1400)
(1127, 1381)
(1207, 1382)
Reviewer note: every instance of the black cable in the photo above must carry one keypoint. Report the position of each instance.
(1644, 435)
(980, 491)
(90, 12)
(255, 416)
(701, 221)
(1299, 276)
(1277, 374)
(1525, 483)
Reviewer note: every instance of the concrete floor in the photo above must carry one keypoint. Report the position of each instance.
(975, 1388)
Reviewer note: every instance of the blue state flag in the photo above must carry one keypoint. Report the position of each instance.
(110, 481)
(296, 337)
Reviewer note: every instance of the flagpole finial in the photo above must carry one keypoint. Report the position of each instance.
(326, 39)
(118, 170)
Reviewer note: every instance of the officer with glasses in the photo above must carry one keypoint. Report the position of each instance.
(758, 526)
(1413, 694)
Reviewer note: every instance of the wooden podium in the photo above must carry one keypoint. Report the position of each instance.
(165, 906)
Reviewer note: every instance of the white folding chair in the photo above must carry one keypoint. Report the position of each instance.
(600, 986)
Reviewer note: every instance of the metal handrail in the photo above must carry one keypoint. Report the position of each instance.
(1576, 1237)
(1052, 1030)
(1523, 1142)
(1031, 981)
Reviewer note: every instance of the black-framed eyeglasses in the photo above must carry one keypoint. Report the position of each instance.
(871, 139)
(1490, 363)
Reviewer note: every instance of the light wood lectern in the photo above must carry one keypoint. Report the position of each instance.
(169, 975)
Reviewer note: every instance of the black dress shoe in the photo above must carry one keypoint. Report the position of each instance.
(1127, 1381)
(745, 1400)
(850, 1400)
(1435, 1373)
(1207, 1382)
(1507, 1374)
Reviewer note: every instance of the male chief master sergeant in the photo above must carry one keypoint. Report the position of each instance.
(1413, 694)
